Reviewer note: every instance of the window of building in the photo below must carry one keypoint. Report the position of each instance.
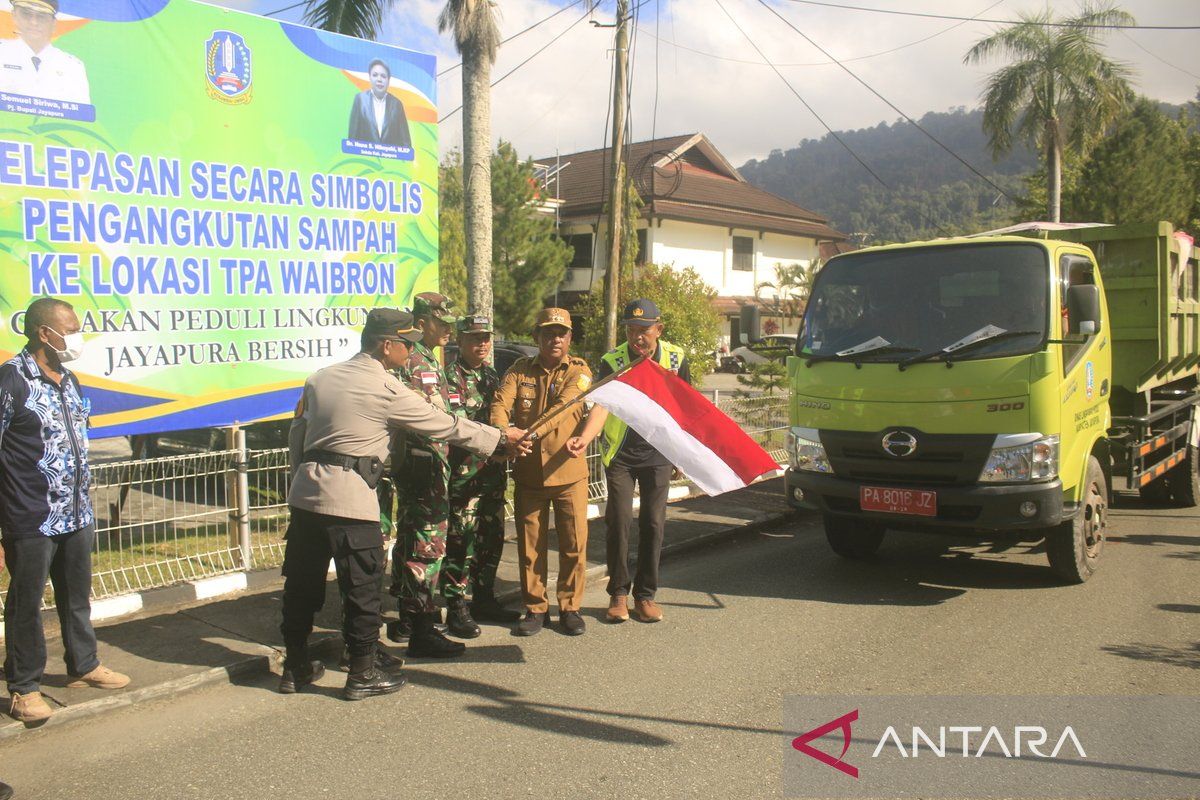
(582, 244)
(743, 253)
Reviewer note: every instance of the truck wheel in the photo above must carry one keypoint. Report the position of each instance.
(1184, 479)
(853, 538)
(1074, 546)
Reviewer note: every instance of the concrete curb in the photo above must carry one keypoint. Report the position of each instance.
(323, 646)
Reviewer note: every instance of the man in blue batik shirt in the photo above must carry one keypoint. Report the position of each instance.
(46, 521)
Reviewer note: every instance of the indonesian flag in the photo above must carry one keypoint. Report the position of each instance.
(684, 426)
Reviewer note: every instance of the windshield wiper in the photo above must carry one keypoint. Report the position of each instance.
(875, 346)
(988, 333)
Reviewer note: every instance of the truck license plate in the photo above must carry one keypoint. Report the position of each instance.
(898, 501)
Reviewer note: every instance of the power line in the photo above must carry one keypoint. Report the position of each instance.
(889, 51)
(567, 7)
(1156, 56)
(535, 54)
(998, 21)
(799, 97)
(889, 103)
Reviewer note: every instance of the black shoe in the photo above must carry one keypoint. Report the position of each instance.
(533, 623)
(398, 630)
(371, 680)
(385, 661)
(486, 608)
(428, 642)
(458, 619)
(572, 623)
(6, 791)
(296, 678)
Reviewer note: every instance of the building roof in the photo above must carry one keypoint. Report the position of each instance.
(683, 178)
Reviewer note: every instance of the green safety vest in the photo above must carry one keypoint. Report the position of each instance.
(669, 357)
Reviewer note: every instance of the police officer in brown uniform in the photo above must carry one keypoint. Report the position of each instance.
(548, 476)
(337, 444)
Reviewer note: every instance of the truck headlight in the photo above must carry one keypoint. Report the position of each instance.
(807, 452)
(1022, 457)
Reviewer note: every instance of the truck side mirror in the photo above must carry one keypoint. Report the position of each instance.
(750, 324)
(1083, 308)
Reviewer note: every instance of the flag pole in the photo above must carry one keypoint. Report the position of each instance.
(540, 422)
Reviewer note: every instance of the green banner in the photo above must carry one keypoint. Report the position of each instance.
(220, 196)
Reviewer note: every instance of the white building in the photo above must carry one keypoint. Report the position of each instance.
(698, 212)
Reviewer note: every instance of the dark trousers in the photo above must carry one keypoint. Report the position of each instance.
(67, 561)
(356, 547)
(653, 483)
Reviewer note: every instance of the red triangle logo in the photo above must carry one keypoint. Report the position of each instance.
(801, 743)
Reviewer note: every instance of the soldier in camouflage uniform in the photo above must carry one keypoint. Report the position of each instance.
(476, 491)
(421, 475)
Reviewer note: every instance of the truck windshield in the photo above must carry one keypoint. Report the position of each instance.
(928, 298)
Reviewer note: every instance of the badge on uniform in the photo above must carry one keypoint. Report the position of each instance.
(455, 398)
(526, 404)
(428, 377)
(583, 383)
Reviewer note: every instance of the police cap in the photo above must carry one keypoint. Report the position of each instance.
(642, 312)
(392, 323)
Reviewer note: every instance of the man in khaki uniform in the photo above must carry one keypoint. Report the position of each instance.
(549, 475)
(337, 444)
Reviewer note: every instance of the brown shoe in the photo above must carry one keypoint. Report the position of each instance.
(618, 608)
(100, 678)
(646, 611)
(29, 707)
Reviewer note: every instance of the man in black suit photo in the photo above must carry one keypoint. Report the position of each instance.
(377, 115)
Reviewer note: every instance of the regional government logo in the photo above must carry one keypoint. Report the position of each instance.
(227, 67)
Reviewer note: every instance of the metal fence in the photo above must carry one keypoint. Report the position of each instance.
(164, 521)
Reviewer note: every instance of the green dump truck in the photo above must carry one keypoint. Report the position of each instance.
(1006, 382)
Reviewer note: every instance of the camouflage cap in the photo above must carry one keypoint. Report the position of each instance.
(432, 304)
(475, 323)
(553, 316)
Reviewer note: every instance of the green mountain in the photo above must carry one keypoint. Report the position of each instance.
(927, 194)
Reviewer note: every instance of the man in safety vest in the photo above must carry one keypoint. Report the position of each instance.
(629, 459)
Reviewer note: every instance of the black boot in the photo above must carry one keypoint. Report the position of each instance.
(298, 670)
(367, 680)
(384, 660)
(458, 619)
(485, 606)
(428, 642)
(398, 630)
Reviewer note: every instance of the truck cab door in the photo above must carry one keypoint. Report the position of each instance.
(1086, 365)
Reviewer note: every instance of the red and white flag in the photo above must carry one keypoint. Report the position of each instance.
(684, 426)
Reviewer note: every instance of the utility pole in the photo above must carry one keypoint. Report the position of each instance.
(616, 194)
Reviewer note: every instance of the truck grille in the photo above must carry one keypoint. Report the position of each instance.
(939, 459)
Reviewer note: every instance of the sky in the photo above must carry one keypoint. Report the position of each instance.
(559, 101)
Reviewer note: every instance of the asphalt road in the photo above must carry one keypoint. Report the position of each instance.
(690, 707)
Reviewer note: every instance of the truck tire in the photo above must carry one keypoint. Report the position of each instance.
(1074, 545)
(1184, 479)
(853, 538)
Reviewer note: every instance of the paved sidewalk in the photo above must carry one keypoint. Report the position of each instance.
(225, 639)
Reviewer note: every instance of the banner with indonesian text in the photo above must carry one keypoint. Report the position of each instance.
(222, 197)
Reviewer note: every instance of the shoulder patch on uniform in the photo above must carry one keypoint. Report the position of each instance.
(584, 382)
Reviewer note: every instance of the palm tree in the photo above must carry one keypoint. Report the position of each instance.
(790, 289)
(477, 37)
(1060, 91)
(361, 18)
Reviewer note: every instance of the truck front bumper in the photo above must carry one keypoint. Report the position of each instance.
(980, 506)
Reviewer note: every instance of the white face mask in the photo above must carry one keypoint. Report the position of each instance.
(73, 346)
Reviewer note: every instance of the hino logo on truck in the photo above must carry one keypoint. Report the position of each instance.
(900, 444)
